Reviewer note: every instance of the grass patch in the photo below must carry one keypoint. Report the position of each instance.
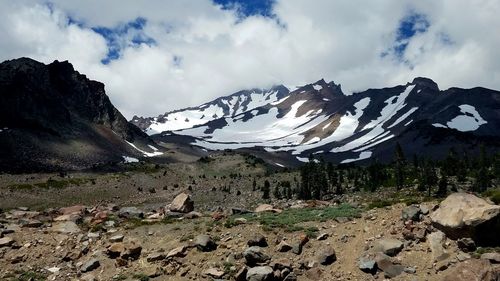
(51, 183)
(380, 203)
(289, 218)
(493, 194)
(141, 276)
(30, 276)
(483, 250)
(132, 223)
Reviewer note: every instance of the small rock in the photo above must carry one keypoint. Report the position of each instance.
(254, 255)
(155, 257)
(326, 256)
(466, 244)
(205, 243)
(297, 248)
(385, 264)
(182, 203)
(116, 238)
(260, 273)
(6, 242)
(177, 252)
(436, 241)
(290, 277)
(492, 257)
(388, 246)
(411, 213)
(65, 227)
(283, 247)
(367, 265)
(90, 265)
(241, 275)
(322, 236)
(257, 240)
(214, 272)
(130, 212)
(267, 208)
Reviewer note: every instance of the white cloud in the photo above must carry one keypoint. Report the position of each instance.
(219, 53)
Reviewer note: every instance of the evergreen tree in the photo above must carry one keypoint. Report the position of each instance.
(266, 189)
(277, 192)
(399, 160)
(254, 184)
(442, 186)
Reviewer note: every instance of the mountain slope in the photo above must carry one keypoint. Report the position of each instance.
(52, 117)
(228, 106)
(319, 119)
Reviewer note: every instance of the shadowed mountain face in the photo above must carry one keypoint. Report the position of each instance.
(52, 117)
(320, 119)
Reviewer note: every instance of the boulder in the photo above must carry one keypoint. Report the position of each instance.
(205, 243)
(254, 255)
(326, 256)
(388, 246)
(466, 215)
(260, 273)
(182, 203)
(473, 269)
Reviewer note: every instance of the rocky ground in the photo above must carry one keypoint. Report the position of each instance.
(176, 242)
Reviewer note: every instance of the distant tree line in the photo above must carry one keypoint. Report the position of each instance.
(320, 179)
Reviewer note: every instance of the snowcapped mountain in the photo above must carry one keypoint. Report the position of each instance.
(228, 106)
(319, 118)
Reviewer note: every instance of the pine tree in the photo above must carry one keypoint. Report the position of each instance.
(399, 160)
(442, 186)
(254, 185)
(266, 189)
(277, 192)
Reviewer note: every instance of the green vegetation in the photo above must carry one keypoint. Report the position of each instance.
(493, 194)
(141, 277)
(290, 218)
(52, 183)
(320, 180)
(30, 276)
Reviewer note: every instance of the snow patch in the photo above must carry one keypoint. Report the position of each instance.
(362, 155)
(439, 125)
(147, 154)
(465, 122)
(128, 159)
(317, 87)
(403, 117)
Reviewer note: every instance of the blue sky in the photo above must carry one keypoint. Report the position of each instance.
(162, 55)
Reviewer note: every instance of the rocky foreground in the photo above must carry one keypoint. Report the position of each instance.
(454, 240)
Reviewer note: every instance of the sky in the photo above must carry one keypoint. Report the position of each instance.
(155, 56)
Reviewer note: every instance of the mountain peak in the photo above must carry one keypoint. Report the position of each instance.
(425, 82)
